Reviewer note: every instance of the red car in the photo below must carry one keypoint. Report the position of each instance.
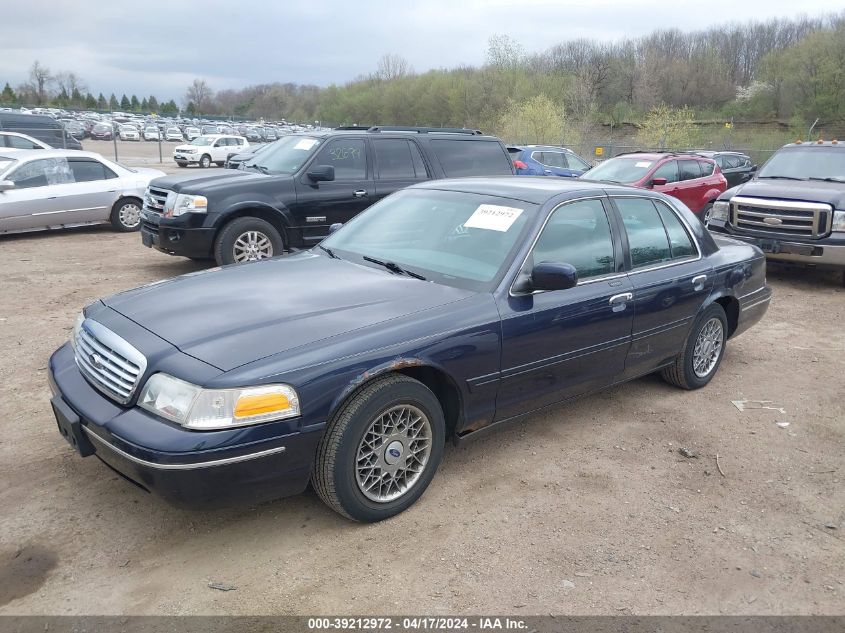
(694, 180)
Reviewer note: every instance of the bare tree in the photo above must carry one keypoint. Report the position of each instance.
(504, 52)
(70, 81)
(200, 94)
(40, 78)
(392, 66)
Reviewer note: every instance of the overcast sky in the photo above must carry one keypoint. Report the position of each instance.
(159, 46)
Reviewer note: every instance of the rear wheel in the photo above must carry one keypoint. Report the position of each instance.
(126, 215)
(703, 350)
(205, 161)
(247, 239)
(381, 450)
(706, 212)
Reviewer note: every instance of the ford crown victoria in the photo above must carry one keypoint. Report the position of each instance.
(443, 311)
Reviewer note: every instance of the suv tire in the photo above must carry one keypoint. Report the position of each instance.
(205, 161)
(369, 431)
(247, 239)
(703, 351)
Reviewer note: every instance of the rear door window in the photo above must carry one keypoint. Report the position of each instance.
(680, 242)
(21, 143)
(647, 239)
(689, 169)
(706, 168)
(471, 157)
(89, 170)
(393, 159)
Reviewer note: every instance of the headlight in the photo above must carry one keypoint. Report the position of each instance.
(838, 221)
(180, 203)
(76, 327)
(207, 409)
(721, 210)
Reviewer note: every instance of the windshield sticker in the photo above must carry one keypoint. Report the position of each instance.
(306, 144)
(643, 163)
(493, 217)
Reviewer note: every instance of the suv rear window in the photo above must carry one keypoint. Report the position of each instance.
(471, 158)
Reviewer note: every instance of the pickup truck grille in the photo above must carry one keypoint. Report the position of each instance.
(107, 361)
(782, 218)
(154, 199)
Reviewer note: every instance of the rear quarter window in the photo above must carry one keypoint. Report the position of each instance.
(460, 157)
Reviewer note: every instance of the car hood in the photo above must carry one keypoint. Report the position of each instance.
(239, 314)
(202, 185)
(147, 174)
(806, 191)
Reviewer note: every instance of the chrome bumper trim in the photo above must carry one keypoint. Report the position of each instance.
(192, 466)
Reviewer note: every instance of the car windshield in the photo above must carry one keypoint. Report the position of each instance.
(203, 140)
(287, 155)
(455, 238)
(805, 163)
(621, 170)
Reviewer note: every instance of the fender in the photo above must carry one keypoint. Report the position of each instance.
(387, 367)
(711, 195)
(282, 211)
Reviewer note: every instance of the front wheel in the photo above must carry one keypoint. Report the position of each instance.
(247, 239)
(703, 351)
(381, 450)
(126, 215)
(706, 213)
(205, 161)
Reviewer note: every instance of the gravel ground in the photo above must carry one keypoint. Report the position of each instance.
(586, 509)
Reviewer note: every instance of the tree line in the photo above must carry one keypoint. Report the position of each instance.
(777, 69)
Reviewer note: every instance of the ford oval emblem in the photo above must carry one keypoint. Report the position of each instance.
(394, 452)
(773, 221)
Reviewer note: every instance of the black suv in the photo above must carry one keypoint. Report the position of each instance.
(291, 194)
(793, 208)
(736, 167)
(44, 128)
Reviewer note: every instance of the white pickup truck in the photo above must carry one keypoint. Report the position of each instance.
(209, 148)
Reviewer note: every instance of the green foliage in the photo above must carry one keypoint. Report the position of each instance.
(8, 95)
(152, 104)
(125, 104)
(91, 102)
(134, 104)
(535, 121)
(667, 127)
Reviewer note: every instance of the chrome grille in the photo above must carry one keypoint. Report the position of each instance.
(154, 199)
(783, 218)
(107, 361)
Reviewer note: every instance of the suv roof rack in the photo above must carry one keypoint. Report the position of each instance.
(423, 130)
(359, 128)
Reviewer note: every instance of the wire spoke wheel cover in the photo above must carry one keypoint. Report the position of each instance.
(251, 246)
(129, 215)
(393, 453)
(708, 347)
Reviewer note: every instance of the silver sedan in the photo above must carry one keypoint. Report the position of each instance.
(51, 189)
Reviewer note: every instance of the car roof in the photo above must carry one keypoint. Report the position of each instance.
(535, 189)
(833, 143)
(9, 152)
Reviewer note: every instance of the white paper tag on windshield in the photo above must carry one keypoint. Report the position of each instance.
(306, 143)
(643, 163)
(493, 217)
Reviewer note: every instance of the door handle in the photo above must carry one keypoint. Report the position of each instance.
(698, 282)
(360, 193)
(620, 302)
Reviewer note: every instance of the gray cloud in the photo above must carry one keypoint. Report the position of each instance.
(158, 47)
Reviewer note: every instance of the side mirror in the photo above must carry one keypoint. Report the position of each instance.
(334, 227)
(321, 173)
(753, 169)
(658, 182)
(553, 276)
(5, 185)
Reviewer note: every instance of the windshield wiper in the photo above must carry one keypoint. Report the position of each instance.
(782, 177)
(328, 251)
(260, 168)
(827, 179)
(393, 267)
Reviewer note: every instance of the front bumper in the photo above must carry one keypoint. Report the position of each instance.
(187, 468)
(817, 252)
(185, 241)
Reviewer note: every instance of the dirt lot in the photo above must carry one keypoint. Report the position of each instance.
(587, 509)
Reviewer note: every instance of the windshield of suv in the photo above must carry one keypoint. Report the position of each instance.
(285, 156)
(455, 238)
(620, 170)
(203, 140)
(806, 163)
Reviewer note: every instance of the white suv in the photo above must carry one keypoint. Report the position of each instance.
(209, 148)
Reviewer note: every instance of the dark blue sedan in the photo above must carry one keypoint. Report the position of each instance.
(443, 311)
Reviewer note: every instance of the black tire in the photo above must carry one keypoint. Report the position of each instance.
(126, 215)
(224, 246)
(682, 372)
(182, 164)
(334, 476)
(219, 164)
(205, 161)
(705, 213)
